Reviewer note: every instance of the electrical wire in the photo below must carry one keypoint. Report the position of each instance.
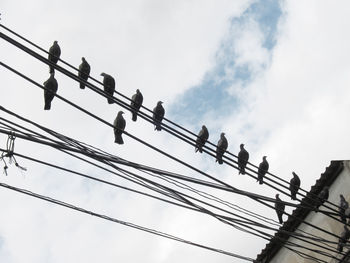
(149, 118)
(250, 195)
(176, 125)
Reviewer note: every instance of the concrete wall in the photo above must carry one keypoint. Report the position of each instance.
(340, 186)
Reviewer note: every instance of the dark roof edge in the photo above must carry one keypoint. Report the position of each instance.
(326, 179)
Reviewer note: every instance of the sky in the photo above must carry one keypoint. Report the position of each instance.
(270, 74)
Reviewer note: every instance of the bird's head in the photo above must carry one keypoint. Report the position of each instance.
(103, 74)
(294, 174)
(137, 91)
(83, 59)
(264, 158)
(222, 135)
(160, 103)
(242, 145)
(55, 42)
(204, 127)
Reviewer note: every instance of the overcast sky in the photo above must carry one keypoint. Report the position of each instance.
(271, 74)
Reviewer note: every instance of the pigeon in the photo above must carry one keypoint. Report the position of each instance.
(51, 87)
(343, 205)
(84, 71)
(279, 207)
(158, 115)
(263, 168)
(322, 197)
(294, 186)
(54, 54)
(119, 126)
(108, 86)
(202, 137)
(221, 148)
(136, 102)
(243, 157)
(343, 238)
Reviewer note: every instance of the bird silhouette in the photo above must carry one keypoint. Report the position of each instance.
(136, 103)
(119, 126)
(202, 137)
(243, 157)
(221, 148)
(262, 170)
(50, 91)
(279, 207)
(84, 72)
(294, 186)
(108, 86)
(158, 115)
(54, 54)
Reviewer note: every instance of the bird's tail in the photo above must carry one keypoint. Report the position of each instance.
(134, 115)
(241, 170)
(157, 127)
(82, 85)
(219, 159)
(260, 179)
(293, 196)
(47, 105)
(110, 100)
(118, 139)
(280, 218)
(52, 69)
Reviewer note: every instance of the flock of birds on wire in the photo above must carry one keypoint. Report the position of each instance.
(51, 87)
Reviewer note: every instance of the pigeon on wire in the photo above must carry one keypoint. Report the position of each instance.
(54, 54)
(119, 126)
(279, 207)
(202, 137)
(322, 197)
(343, 238)
(136, 103)
(343, 205)
(221, 148)
(158, 115)
(294, 186)
(50, 91)
(84, 72)
(262, 170)
(108, 86)
(243, 157)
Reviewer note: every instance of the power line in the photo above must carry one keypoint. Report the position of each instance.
(125, 223)
(146, 117)
(270, 228)
(253, 196)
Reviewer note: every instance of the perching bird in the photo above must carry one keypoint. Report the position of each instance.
(279, 207)
(294, 186)
(54, 54)
(51, 87)
(343, 238)
(243, 157)
(322, 197)
(221, 148)
(108, 86)
(343, 205)
(84, 72)
(202, 137)
(158, 115)
(136, 102)
(263, 168)
(119, 126)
